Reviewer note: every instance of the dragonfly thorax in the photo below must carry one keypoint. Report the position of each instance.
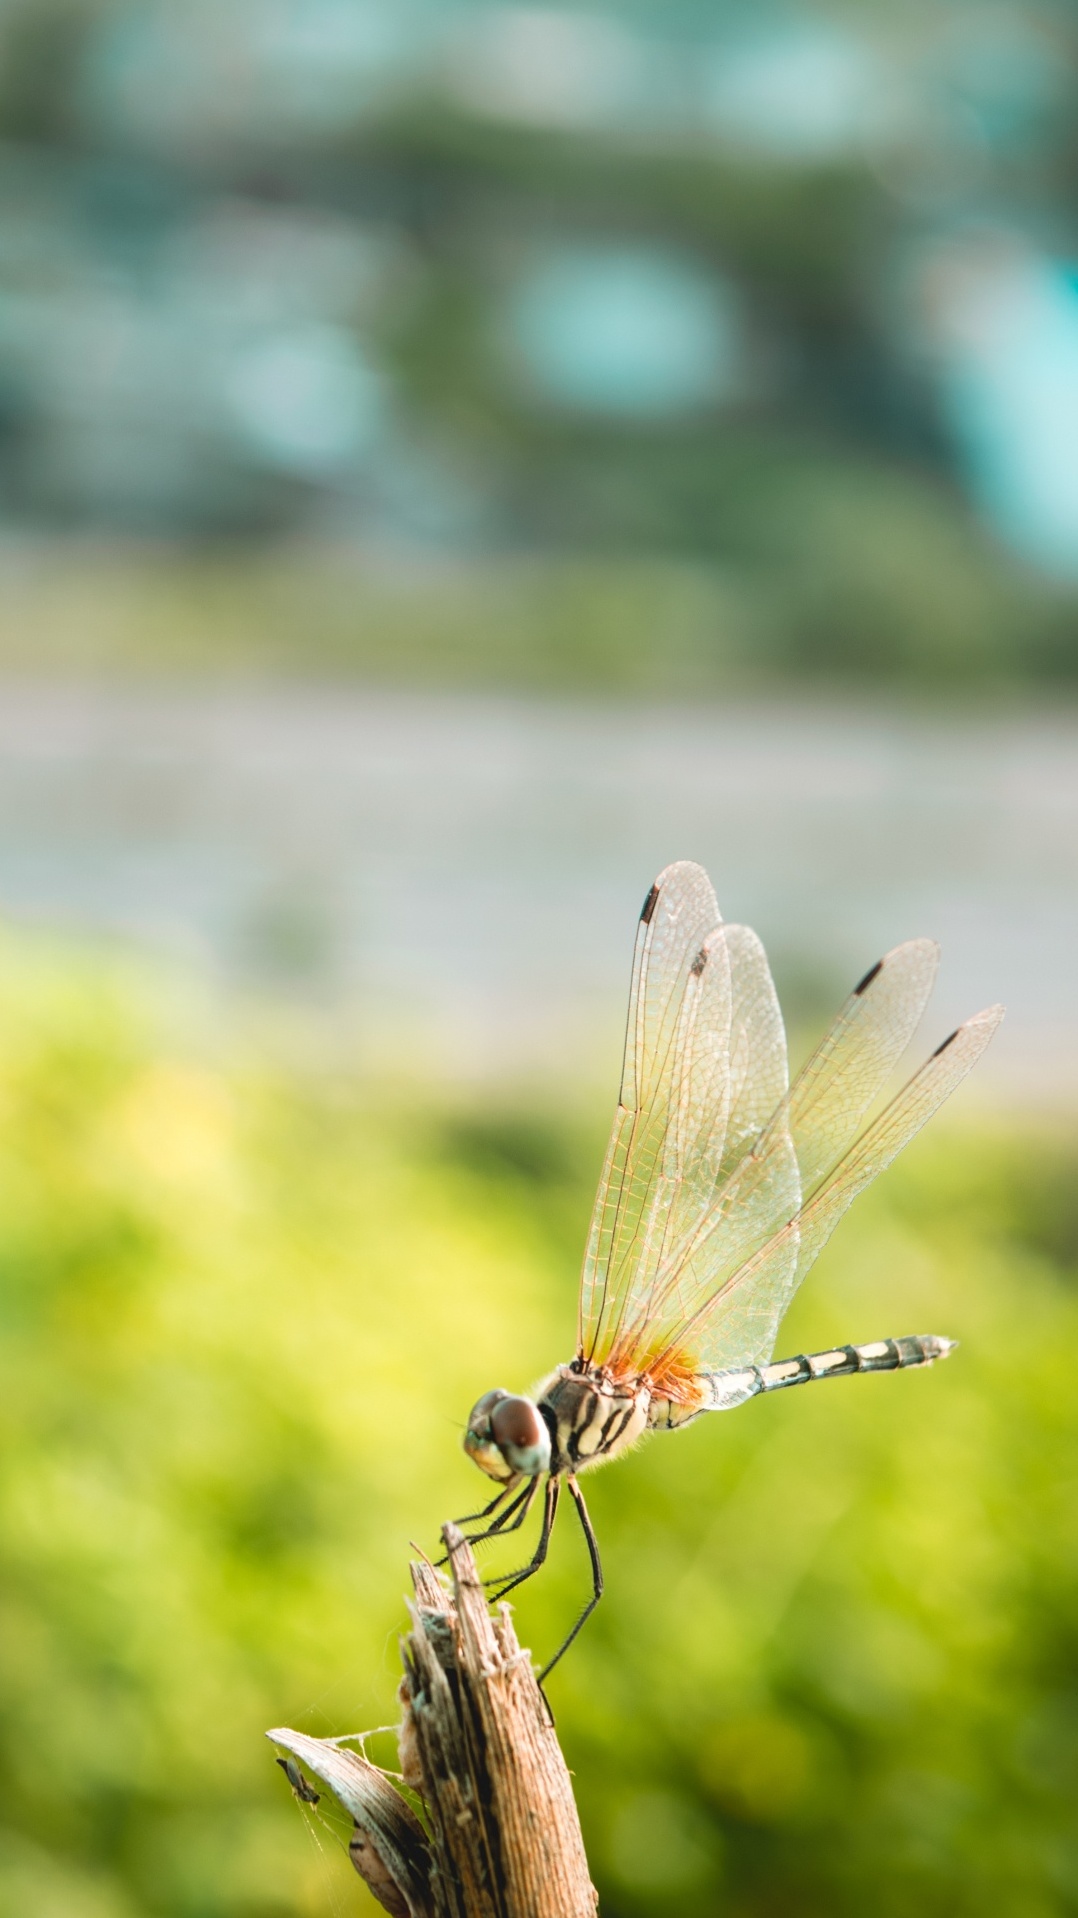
(591, 1416)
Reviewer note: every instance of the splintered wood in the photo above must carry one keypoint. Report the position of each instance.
(478, 1748)
(478, 1744)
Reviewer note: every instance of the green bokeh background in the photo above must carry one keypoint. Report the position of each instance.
(245, 1311)
(247, 1298)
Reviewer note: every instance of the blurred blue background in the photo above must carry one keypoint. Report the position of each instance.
(491, 277)
(455, 459)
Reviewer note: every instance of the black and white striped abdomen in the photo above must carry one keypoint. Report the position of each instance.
(724, 1390)
(885, 1355)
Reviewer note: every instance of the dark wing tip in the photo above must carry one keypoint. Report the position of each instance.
(863, 984)
(649, 905)
(944, 1043)
(699, 962)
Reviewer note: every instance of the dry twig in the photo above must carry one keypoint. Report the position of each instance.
(478, 1747)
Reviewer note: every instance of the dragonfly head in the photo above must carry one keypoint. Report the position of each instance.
(506, 1437)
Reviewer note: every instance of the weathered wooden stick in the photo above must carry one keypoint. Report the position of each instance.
(478, 1747)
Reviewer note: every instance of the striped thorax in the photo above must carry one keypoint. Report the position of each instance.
(590, 1416)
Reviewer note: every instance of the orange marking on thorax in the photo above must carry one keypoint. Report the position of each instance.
(668, 1375)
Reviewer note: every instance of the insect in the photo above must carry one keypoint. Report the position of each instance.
(721, 1185)
(301, 1787)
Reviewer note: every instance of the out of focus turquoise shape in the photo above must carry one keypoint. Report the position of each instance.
(625, 331)
(1010, 393)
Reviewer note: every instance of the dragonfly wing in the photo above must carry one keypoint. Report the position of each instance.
(769, 1167)
(737, 1322)
(728, 1069)
(673, 1083)
(856, 1056)
(755, 1079)
(727, 1113)
(759, 1072)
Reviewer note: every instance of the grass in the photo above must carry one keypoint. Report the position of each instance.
(672, 571)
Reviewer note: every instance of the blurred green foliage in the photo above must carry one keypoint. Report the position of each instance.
(244, 1311)
(847, 579)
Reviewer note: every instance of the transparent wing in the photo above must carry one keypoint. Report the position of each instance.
(673, 1082)
(737, 1323)
(759, 1072)
(755, 1082)
(756, 1086)
(766, 1168)
(727, 1068)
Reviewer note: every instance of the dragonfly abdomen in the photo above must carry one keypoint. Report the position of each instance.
(721, 1391)
(883, 1355)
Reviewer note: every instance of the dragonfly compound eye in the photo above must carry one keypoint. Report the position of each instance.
(520, 1435)
(479, 1441)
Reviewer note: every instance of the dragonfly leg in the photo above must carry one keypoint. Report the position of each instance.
(521, 1505)
(470, 1518)
(596, 1578)
(511, 1519)
(550, 1506)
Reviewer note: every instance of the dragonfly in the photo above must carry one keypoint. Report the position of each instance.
(721, 1185)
